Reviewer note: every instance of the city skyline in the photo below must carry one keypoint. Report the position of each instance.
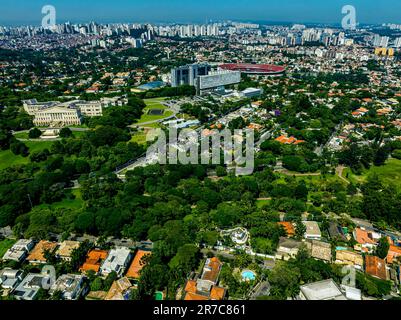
(21, 12)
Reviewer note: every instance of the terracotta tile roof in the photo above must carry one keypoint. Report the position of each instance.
(66, 248)
(137, 265)
(362, 237)
(289, 140)
(94, 260)
(212, 269)
(217, 293)
(195, 297)
(118, 289)
(288, 227)
(393, 253)
(190, 286)
(376, 267)
(37, 254)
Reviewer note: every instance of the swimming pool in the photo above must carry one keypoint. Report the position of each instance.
(248, 275)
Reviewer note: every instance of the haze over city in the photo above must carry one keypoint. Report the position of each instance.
(23, 12)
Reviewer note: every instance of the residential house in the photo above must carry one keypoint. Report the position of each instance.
(19, 250)
(137, 264)
(205, 288)
(367, 240)
(117, 260)
(320, 250)
(120, 290)
(349, 258)
(376, 267)
(288, 227)
(70, 286)
(321, 290)
(336, 232)
(312, 230)
(29, 287)
(94, 260)
(288, 248)
(10, 278)
(394, 252)
(37, 255)
(66, 248)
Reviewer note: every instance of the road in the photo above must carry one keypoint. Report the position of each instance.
(339, 172)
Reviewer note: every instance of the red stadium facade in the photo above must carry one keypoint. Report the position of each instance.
(262, 69)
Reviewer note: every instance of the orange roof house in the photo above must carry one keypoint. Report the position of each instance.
(393, 253)
(376, 267)
(94, 260)
(205, 288)
(137, 264)
(288, 227)
(291, 140)
(37, 254)
(364, 237)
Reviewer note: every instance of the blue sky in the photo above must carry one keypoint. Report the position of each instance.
(325, 11)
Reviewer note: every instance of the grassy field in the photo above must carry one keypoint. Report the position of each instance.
(139, 138)
(154, 104)
(5, 245)
(390, 173)
(22, 135)
(8, 159)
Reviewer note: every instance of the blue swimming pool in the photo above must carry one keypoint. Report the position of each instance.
(248, 275)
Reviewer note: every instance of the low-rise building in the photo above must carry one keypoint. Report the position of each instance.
(321, 290)
(349, 258)
(312, 230)
(19, 250)
(10, 278)
(320, 250)
(120, 290)
(66, 248)
(29, 287)
(117, 260)
(137, 264)
(288, 248)
(37, 255)
(336, 232)
(393, 254)
(70, 286)
(288, 227)
(367, 240)
(94, 260)
(205, 288)
(376, 267)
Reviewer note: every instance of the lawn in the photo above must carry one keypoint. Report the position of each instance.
(154, 104)
(8, 159)
(5, 245)
(390, 173)
(22, 135)
(139, 138)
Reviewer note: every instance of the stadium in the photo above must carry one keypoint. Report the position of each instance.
(262, 69)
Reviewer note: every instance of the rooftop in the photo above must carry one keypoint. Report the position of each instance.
(137, 264)
(322, 290)
(37, 254)
(376, 267)
(94, 260)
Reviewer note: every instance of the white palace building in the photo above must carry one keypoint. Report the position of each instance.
(53, 113)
